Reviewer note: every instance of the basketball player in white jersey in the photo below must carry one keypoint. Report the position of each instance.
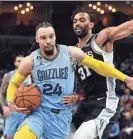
(100, 108)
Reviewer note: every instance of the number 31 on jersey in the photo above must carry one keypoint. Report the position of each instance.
(83, 70)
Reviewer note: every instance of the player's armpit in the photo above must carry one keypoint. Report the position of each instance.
(17, 79)
(102, 68)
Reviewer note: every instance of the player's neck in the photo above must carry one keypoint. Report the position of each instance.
(82, 41)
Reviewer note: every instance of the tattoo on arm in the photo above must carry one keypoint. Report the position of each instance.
(3, 89)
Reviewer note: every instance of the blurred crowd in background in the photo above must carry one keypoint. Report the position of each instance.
(18, 38)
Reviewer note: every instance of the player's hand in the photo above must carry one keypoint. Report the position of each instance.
(70, 100)
(129, 82)
(13, 107)
(6, 111)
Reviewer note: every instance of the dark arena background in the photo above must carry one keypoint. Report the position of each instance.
(17, 35)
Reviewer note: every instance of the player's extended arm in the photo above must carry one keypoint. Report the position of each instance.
(20, 75)
(77, 55)
(121, 31)
(114, 33)
(100, 67)
(3, 89)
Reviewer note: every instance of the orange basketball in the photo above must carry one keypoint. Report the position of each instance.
(27, 97)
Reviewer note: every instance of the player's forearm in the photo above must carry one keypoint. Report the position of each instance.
(121, 31)
(3, 90)
(2, 100)
(102, 68)
(17, 79)
(126, 26)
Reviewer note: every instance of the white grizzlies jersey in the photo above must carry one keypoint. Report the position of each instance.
(54, 78)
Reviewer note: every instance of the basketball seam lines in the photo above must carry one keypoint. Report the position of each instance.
(26, 90)
(28, 95)
(20, 101)
(28, 101)
(31, 102)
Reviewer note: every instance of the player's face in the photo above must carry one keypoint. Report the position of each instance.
(46, 39)
(82, 24)
(18, 61)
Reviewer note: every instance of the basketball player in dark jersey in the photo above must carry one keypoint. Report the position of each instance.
(100, 108)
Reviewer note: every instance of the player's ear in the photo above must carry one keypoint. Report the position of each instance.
(55, 37)
(36, 39)
(91, 25)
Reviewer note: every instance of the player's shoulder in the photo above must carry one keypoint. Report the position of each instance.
(73, 49)
(26, 65)
(27, 61)
(6, 76)
(9, 73)
(61, 46)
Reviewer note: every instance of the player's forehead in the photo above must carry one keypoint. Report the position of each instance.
(45, 31)
(81, 15)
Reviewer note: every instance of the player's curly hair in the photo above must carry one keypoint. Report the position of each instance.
(81, 10)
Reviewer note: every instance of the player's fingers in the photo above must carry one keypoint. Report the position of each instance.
(27, 112)
(67, 104)
(21, 109)
(66, 97)
(64, 100)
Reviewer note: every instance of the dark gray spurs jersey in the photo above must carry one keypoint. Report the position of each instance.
(92, 83)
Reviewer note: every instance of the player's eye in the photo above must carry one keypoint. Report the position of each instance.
(18, 60)
(43, 38)
(82, 20)
(51, 36)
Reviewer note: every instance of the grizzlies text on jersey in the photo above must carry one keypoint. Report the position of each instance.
(52, 80)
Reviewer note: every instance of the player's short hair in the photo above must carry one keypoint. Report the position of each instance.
(35, 44)
(43, 24)
(18, 55)
(81, 10)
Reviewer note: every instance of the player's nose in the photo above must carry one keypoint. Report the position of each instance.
(48, 40)
(77, 24)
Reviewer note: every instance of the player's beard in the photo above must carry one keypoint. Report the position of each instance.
(49, 52)
(82, 33)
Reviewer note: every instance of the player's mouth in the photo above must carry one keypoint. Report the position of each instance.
(78, 29)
